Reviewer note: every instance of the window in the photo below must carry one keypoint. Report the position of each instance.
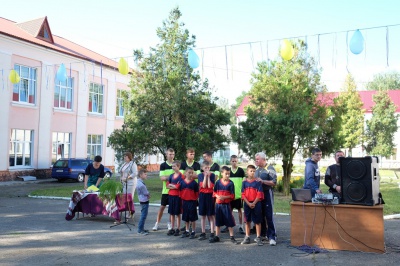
(120, 101)
(96, 98)
(63, 94)
(25, 90)
(61, 146)
(94, 145)
(21, 145)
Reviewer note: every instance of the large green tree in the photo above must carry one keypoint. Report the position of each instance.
(352, 129)
(288, 112)
(169, 106)
(382, 127)
(385, 81)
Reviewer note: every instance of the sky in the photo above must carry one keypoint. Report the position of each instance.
(232, 35)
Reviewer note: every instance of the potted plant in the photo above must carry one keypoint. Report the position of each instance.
(109, 190)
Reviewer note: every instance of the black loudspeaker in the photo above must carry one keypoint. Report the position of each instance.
(360, 180)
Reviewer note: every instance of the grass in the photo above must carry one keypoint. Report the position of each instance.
(389, 187)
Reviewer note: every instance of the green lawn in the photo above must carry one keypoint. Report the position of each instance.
(389, 188)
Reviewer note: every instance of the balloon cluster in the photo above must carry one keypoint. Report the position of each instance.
(193, 59)
(61, 73)
(14, 77)
(123, 67)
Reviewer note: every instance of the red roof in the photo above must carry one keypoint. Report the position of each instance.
(366, 98)
(28, 32)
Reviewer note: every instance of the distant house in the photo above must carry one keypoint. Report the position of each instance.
(368, 103)
(42, 118)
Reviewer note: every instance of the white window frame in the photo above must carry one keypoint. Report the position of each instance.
(61, 140)
(65, 88)
(94, 145)
(22, 145)
(96, 98)
(120, 104)
(27, 84)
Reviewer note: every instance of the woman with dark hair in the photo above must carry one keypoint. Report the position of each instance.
(94, 173)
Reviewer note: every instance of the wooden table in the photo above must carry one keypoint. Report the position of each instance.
(340, 227)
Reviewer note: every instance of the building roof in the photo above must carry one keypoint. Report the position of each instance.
(38, 32)
(327, 98)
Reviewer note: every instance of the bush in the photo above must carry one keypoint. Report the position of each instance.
(294, 183)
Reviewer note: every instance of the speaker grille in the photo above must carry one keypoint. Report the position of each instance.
(356, 169)
(356, 191)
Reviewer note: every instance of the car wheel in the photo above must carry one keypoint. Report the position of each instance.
(81, 177)
(107, 175)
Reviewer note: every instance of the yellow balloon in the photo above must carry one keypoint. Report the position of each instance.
(287, 51)
(14, 77)
(123, 66)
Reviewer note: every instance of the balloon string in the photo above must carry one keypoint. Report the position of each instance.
(202, 62)
(84, 76)
(2, 77)
(347, 51)
(262, 53)
(101, 74)
(319, 52)
(47, 79)
(387, 46)
(226, 61)
(252, 56)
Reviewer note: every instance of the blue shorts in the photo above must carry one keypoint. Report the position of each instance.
(174, 207)
(189, 210)
(253, 215)
(223, 215)
(206, 204)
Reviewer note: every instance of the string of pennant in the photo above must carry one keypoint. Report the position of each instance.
(356, 45)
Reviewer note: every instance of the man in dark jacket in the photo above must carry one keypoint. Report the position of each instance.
(332, 176)
(312, 175)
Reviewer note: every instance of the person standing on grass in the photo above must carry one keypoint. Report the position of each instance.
(165, 172)
(175, 204)
(144, 197)
(312, 175)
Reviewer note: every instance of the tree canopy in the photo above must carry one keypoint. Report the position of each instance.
(168, 105)
(385, 81)
(287, 111)
(382, 126)
(352, 128)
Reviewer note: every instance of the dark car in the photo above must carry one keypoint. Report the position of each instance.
(73, 169)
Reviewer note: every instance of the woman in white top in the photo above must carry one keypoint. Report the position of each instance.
(129, 175)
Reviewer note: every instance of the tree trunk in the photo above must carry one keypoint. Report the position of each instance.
(287, 173)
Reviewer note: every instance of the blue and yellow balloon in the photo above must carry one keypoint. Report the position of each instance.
(357, 43)
(193, 59)
(123, 67)
(287, 51)
(61, 73)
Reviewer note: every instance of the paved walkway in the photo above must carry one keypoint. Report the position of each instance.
(35, 232)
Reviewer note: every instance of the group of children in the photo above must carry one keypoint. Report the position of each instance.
(215, 192)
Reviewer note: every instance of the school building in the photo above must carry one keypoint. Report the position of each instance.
(44, 118)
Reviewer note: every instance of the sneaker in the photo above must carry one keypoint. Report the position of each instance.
(225, 230)
(211, 238)
(245, 241)
(176, 232)
(155, 228)
(263, 239)
(272, 242)
(192, 235)
(185, 234)
(143, 233)
(233, 240)
(171, 232)
(241, 231)
(214, 239)
(259, 242)
(202, 236)
(169, 226)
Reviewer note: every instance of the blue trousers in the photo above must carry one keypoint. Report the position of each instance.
(268, 224)
(143, 216)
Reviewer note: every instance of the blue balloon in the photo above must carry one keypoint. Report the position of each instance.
(61, 73)
(193, 59)
(357, 43)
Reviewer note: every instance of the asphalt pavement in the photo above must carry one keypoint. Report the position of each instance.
(34, 232)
